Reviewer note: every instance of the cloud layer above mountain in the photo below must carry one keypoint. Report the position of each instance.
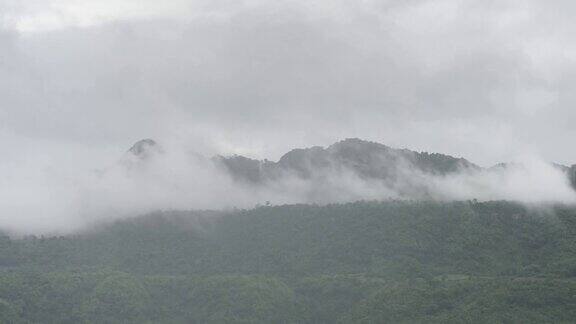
(482, 79)
(81, 80)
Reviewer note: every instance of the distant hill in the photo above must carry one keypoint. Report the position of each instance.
(325, 170)
(368, 160)
(399, 169)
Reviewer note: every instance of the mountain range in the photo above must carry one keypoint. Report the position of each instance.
(400, 169)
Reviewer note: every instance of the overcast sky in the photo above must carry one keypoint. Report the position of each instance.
(487, 80)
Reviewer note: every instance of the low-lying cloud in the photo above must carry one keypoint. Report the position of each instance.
(60, 196)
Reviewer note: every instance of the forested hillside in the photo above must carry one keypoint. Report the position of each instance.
(367, 160)
(364, 262)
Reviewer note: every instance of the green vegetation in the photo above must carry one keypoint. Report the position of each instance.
(365, 262)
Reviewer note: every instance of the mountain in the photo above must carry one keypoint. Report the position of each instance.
(367, 160)
(387, 261)
(363, 262)
(144, 148)
(354, 169)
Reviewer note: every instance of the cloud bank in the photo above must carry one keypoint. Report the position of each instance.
(80, 81)
(63, 196)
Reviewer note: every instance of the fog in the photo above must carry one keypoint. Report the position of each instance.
(62, 195)
(490, 81)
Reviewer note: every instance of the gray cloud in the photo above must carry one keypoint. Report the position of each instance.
(261, 77)
(487, 80)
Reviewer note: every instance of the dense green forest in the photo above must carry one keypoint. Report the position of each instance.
(364, 262)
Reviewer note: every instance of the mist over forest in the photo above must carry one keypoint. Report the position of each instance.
(290, 161)
(150, 177)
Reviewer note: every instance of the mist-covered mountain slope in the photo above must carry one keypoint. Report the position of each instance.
(351, 170)
(409, 174)
(467, 237)
(143, 148)
(368, 160)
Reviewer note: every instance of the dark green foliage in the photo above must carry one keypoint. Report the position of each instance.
(8, 313)
(479, 300)
(118, 298)
(365, 262)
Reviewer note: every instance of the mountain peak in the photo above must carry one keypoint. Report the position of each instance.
(353, 147)
(143, 148)
(355, 140)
